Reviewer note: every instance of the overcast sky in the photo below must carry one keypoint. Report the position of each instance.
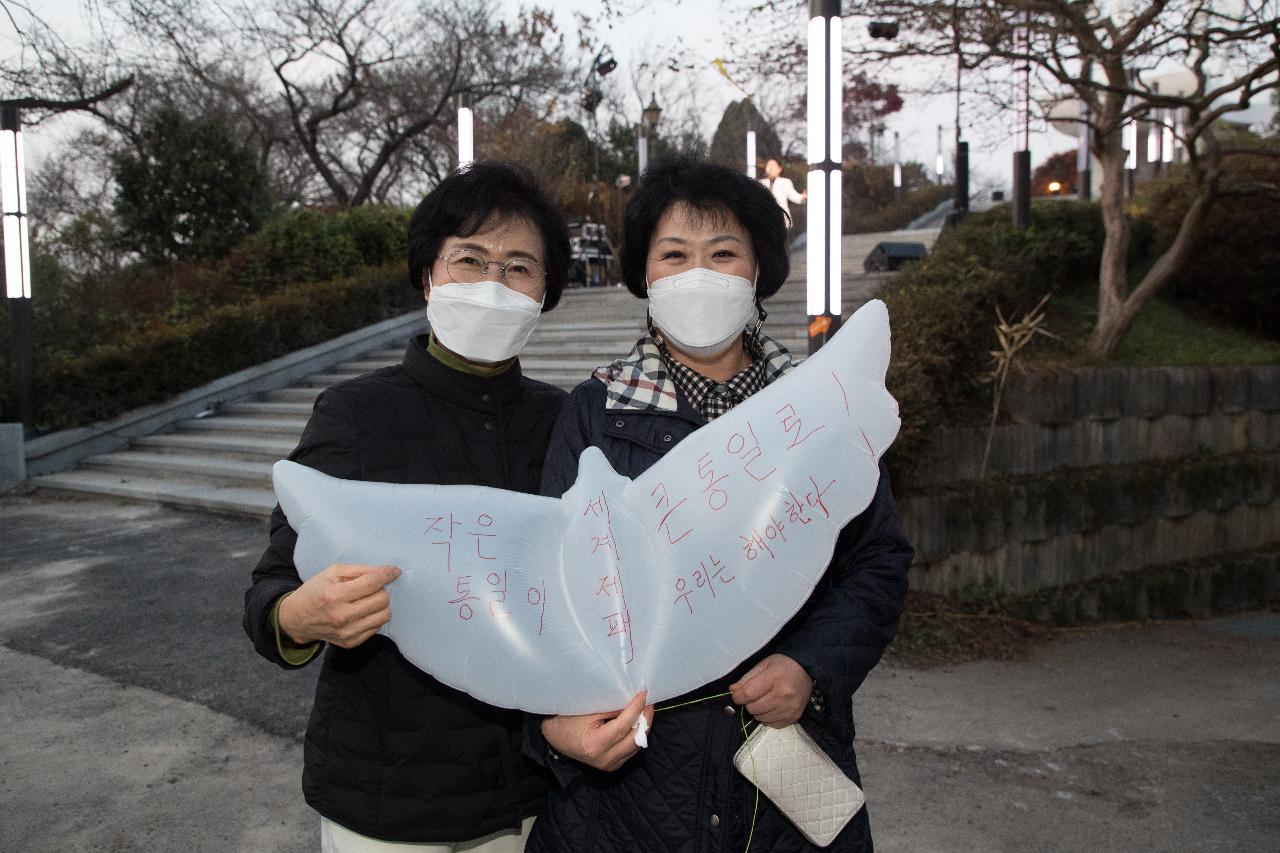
(700, 26)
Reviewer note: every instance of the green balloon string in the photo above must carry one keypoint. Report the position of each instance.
(742, 724)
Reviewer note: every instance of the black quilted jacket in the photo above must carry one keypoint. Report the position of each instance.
(682, 793)
(390, 752)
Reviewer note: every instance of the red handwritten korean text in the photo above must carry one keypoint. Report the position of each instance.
(799, 510)
(759, 542)
(610, 586)
(441, 528)
(709, 573)
(843, 393)
(668, 522)
(748, 452)
(498, 595)
(717, 498)
(794, 427)
(620, 625)
(537, 596)
(465, 596)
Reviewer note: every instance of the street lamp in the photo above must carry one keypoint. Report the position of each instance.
(1022, 157)
(824, 153)
(17, 262)
(466, 131)
(601, 66)
(17, 251)
(649, 122)
(962, 147)
(939, 166)
(897, 168)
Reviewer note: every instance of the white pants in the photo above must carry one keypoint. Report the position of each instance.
(339, 839)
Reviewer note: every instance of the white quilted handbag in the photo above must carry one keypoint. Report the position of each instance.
(801, 780)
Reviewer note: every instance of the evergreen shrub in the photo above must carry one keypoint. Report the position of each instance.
(943, 308)
(1231, 271)
(897, 214)
(154, 363)
(315, 245)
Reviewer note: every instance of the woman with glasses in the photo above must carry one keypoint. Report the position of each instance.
(706, 246)
(395, 760)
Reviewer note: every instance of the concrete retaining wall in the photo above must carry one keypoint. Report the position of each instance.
(1101, 473)
(1113, 416)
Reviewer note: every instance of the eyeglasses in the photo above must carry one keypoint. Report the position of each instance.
(467, 266)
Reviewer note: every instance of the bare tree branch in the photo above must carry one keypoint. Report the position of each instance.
(62, 106)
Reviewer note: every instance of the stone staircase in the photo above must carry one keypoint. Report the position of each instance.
(222, 459)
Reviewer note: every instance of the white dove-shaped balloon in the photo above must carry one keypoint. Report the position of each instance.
(663, 583)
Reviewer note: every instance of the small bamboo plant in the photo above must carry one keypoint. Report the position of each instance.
(1013, 338)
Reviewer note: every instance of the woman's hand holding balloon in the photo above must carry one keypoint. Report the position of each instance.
(602, 741)
(343, 605)
(775, 691)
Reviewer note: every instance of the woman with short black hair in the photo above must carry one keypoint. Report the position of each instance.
(477, 198)
(706, 245)
(393, 758)
(707, 191)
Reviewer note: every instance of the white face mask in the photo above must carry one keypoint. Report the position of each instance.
(485, 322)
(702, 311)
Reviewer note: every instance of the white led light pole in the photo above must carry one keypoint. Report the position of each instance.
(825, 152)
(939, 166)
(466, 131)
(17, 266)
(897, 168)
(751, 153)
(1022, 157)
(649, 119)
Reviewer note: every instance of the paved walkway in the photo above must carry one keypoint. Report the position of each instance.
(137, 717)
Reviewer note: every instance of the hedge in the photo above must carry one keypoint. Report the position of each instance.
(899, 214)
(162, 360)
(314, 245)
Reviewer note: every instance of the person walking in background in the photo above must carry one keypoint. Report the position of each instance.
(784, 191)
(393, 759)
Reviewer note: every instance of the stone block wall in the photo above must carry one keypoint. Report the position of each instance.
(1099, 473)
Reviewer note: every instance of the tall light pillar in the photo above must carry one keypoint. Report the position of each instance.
(466, 131)
(825, 152)
(751, 153)
(1022, 157)
(649, 118)
(897, 168)
(940, 165)
(1129, 137)
(1084, 151)
(17, 264)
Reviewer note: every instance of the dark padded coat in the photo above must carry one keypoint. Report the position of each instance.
(682, 793)
(390, 752)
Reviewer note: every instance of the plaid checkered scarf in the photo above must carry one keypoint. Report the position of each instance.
(645, 380)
